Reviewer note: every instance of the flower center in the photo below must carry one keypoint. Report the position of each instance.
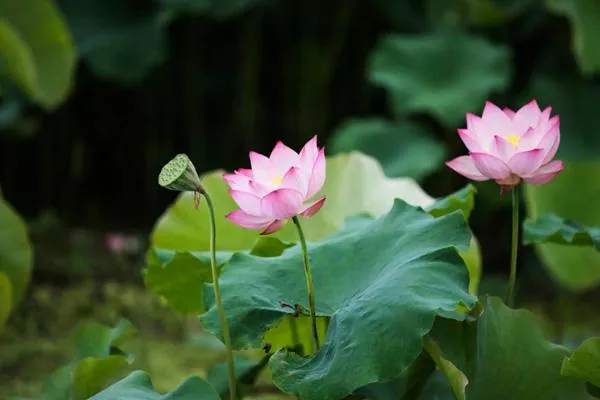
(277, 180)
(513, 140)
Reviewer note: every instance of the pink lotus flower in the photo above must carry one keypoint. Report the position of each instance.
(510, 146)
(276, 187)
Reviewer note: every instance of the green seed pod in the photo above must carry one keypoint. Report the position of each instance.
(180, 174)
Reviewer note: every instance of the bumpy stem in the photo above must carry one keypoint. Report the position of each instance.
(217, 290)
(309, 282)
(514, 246)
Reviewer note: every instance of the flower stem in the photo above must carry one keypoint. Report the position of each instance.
(514, 246)
(309, 282)
(295, 336)
(217, 290)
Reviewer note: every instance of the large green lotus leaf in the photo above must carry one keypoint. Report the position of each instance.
(121, 40)
(508, 358)
(37, 50)
(550, 228)
(138, 386)
(402, 148)
(6, 299)
(16, 258)
(584, 363)
(574, 100)
(387, 279)
(585, 24)
(577, 268)
(409, 68)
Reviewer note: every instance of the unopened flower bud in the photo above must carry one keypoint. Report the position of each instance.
(180, 174)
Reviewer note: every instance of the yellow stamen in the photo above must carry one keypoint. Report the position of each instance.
(277, 180)
(513, 139)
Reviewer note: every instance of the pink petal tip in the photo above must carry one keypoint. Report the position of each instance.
(314, 207)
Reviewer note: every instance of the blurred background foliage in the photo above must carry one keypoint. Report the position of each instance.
(97, 95)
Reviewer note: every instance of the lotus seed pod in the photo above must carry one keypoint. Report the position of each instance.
(180, 174)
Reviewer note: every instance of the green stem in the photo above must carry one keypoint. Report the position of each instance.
(295, 335)
(309, 282)
(514, 246)
(454, 376)
(217, 289)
